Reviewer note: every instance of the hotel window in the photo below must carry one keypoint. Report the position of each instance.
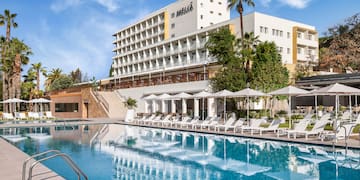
(211, 0)
(288, 50)
(309, 37)
(288, 34)
(273, 32)
(309, 52)
(172, 25)
(299, 50)
(266, 30)
(172, 15)
(201, 16)
(281, 33)
(261, 29)
(66, 107)
(172, 35)
(201, 5)
(220, 3)
(220, 14)
(281, 49)
(211, 12)
(211, 23)
(299, 35)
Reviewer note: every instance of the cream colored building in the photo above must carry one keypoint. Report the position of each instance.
(167, 48)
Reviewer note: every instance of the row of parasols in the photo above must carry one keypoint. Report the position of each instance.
(13, 101)
(331, 90)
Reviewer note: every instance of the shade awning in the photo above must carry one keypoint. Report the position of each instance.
(289, 90)
(248, 92)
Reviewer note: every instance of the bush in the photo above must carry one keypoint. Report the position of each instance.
(62, 82)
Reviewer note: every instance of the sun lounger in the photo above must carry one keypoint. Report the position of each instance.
(149, 118)
(211, 123)
(166, 118)
(255, 123)
(342, 132)
(238, 124)
(300, 126)
(184, 120)
(317, 129)
(175, 120)
(199, 123)
(190, 122)
(274, 126)
(226, 125)
(8, 116)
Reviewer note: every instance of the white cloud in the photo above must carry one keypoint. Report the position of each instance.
(265, 3)
(110, 5)
(299, 4)
(60, 5)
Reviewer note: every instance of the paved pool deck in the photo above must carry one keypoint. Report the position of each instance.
(11, 162)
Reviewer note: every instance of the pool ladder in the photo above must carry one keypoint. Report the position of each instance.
(50, 154)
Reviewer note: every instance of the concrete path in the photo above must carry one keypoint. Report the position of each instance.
(11, 162)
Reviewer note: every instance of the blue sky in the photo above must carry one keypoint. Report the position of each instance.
(68, 34)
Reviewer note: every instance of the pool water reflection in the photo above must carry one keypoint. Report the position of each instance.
(128, 152)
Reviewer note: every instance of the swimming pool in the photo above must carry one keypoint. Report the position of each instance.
(129, 152)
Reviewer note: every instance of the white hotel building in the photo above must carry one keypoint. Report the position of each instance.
(164, 51)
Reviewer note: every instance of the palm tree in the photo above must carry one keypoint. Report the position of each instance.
(248, 46)
(52, 76)
(19, 55)
(7, 19)
(240, 10)
(38, 68)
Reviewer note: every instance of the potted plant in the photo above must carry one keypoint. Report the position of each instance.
(131, 105)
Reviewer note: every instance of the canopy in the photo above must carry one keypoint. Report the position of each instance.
(164, 96)
(247, 92)
(289, 91)
(336, 89)
(40, 100)
(182, 96)
(13, 100)
(223, 93)
(202, 94)
(150, 97)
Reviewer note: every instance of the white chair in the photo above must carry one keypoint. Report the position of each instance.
(226, 125)
(200, 122)
(317, 129)
(274, 126)
(211, 123)
(342, 132)
(160, 121)
(300, 126)
(255, 123)
(8, 116)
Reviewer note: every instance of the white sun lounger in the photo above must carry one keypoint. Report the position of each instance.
(226, 125)
(255, 123)
(274, 126)
(342, 132)
(317, 129)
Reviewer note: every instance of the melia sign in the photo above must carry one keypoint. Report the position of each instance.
(184, 10)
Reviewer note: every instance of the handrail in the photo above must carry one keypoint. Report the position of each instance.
(34, 156)
(66, 158)
(100, 99)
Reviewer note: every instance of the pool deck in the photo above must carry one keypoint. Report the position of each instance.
(11, 162)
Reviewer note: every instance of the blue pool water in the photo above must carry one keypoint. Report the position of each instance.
(127, 152)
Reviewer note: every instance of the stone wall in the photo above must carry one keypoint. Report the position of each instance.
(95, 110)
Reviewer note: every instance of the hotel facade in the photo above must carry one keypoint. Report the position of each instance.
(165, 51)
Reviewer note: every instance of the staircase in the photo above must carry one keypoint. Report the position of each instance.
(115, 104)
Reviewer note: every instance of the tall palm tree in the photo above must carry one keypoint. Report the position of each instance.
(8, 19)
(19, 55)
(52, 76)
(38, 68)
(240, 10)
(247, 51)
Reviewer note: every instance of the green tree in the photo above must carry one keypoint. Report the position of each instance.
(8, 19)
(221, 45)
(76, 75)
(38, 69)
(247, 51)
(62, 82)
(130, 103)
(240, 10)
(28, 86)
(52, 76)
(268, 73)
